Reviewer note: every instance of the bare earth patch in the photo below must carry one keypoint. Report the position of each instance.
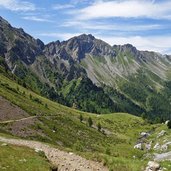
(9, 111)
(16, 121)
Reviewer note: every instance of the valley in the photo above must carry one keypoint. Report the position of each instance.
(82, 104)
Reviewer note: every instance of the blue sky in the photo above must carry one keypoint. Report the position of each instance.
(144, 23)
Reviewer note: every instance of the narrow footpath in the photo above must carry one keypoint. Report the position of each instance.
(64, 161)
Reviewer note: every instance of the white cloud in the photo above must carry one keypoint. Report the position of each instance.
(81, 1)
(16, 5)
(160, 44)
(62, 6)
(125, 9)
(61, 36)
(35, 18)
(111, 27)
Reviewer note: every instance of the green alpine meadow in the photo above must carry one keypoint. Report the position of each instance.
(82, 104)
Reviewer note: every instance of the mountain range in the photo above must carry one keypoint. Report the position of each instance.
(89, 74)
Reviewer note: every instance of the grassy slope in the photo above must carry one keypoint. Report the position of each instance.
(14, 158)
(115, 149)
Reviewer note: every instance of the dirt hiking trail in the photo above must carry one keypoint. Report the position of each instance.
(64, 161)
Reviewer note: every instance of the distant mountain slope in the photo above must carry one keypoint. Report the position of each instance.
(86, 73)
(104, 63)
(126, 74)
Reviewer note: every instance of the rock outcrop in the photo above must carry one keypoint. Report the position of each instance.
(153, 166)
(16, 45)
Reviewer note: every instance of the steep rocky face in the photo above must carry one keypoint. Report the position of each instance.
(126, 62)
(77, 48)
(69, 54)
(15, 45)
(129, 49)
(105, 64)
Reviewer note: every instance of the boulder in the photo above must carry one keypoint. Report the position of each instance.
(148, 146)
(144, 134)
(152, 166)
(166, 122)
(164, 147)
(157, 146)
(138, 146)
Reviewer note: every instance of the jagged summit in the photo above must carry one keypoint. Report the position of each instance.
(15, 44)
(2, 20)
(84, 37)
(80, 46)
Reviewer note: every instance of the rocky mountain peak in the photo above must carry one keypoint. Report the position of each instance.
(126, 47)
(85, 37)
(17, 45)
(78, 47)
(3, 21)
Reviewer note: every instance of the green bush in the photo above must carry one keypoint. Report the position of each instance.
(99, 127)
(90, 122)
(81, 117)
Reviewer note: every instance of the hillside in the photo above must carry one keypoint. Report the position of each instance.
(81, 71)
(59, 125)
(14, 158)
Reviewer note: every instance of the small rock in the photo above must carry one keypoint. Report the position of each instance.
(157, 146)
(166, 122)
(165, 140)
(4, 144)
(37, 150)
(168, 143)
(148, 146)
(138, 146)
(161, 133)
(164, 147)
(22, 160)
(144, 134)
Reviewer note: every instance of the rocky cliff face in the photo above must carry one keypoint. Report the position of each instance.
(16, 45)
(77, 48)
(104, 63)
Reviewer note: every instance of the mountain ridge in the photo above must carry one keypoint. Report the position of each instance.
(81, 71)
